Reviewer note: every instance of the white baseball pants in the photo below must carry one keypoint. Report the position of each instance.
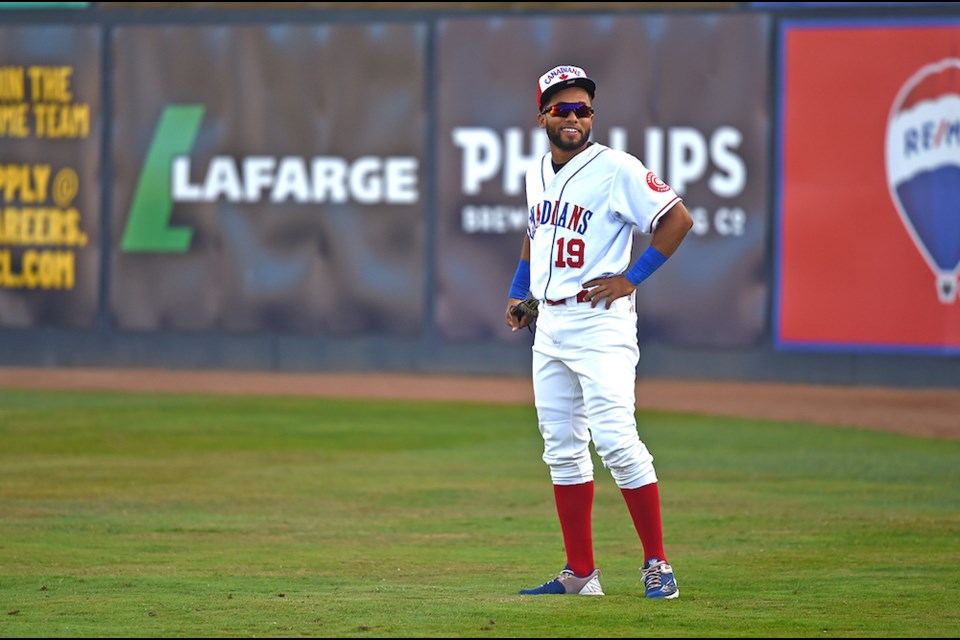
(584, 383)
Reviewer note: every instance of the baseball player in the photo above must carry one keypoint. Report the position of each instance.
(585, 200)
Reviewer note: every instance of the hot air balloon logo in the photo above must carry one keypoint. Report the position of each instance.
(923, 168)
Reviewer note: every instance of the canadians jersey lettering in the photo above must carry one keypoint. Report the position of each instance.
(582, 219)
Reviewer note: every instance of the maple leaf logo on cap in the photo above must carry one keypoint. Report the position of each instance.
(563, 77)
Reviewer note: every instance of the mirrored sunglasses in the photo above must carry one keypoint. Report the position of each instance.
(563, 109)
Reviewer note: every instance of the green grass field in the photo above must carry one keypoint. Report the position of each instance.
(130, 515)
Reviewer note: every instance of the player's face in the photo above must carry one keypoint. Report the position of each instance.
(568, 132)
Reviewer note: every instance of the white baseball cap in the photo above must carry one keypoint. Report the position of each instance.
(563, 77)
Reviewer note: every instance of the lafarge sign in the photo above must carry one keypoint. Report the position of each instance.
(270, 188)
(169, 178)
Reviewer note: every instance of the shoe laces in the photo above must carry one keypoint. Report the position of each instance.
(565, 575)
(653, 576)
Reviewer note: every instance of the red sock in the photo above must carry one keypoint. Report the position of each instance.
(575, 507)
(644, 505)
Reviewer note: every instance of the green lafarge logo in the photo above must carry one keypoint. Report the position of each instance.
(148, 224)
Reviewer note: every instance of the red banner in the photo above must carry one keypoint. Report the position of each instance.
(869, 222)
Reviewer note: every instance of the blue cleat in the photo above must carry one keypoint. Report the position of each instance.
(568, 584)
(659, 580)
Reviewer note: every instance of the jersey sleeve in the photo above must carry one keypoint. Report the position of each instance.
(639, 196)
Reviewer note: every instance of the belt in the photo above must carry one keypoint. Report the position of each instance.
(581, 297)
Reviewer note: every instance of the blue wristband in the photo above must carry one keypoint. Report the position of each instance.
(521, 280)
(646, 264)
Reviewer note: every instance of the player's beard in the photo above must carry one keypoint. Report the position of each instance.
(556, 137)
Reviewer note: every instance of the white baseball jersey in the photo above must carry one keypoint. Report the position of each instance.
(582, 219)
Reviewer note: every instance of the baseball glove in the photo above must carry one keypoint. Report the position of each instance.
(529, 307)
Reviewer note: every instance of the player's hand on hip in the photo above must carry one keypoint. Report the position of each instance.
(611, 288)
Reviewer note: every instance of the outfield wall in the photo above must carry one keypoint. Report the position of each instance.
(309, 190)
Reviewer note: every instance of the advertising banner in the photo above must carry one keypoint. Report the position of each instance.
(268, 178)
(50, 122)
(868, 233)
(687, 95)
